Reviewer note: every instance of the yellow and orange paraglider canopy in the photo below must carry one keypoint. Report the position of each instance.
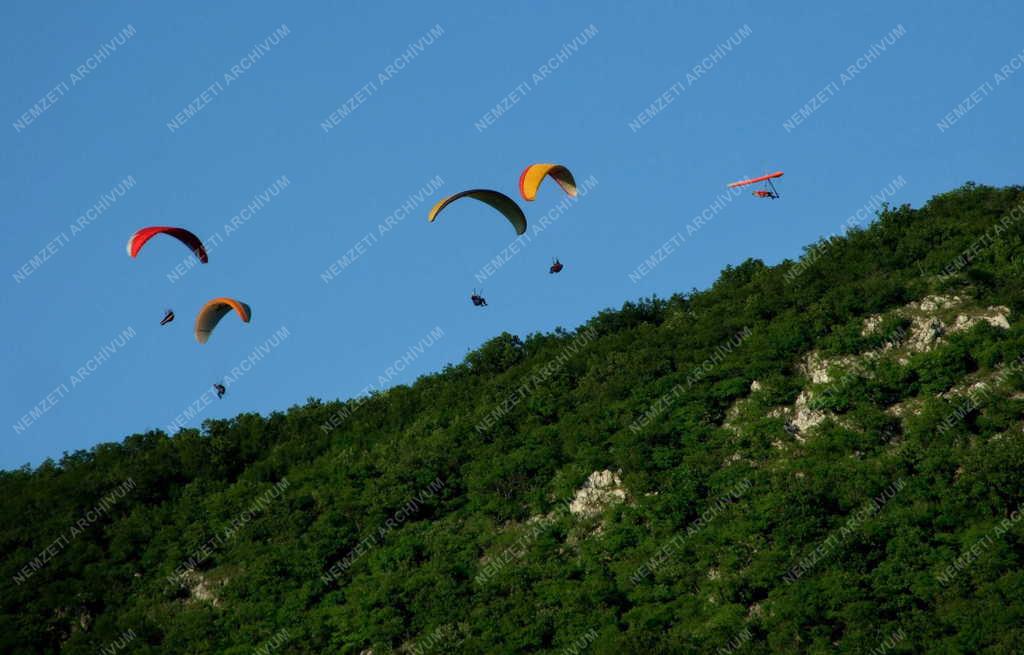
(213, 311)
(496, 199)
(534, 174)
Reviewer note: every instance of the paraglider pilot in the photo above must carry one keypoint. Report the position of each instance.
(168, 317)
(220, 390)
(556, 266)
(477, 299)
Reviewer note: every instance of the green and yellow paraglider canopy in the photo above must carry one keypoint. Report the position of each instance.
(507, 206)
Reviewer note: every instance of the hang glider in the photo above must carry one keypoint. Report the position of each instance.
(768, 191)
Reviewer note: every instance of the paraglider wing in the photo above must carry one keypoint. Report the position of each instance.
(140, 238)
(534, 174)
(213, 311)
(496, 199)
(755, 180)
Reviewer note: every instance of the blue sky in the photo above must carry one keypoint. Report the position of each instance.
(420, 121)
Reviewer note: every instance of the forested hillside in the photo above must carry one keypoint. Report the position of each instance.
(821, 456)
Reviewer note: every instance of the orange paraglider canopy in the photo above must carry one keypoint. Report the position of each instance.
(216, 309)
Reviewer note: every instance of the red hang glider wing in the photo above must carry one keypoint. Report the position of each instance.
(755, 180)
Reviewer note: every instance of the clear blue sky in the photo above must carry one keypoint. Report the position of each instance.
(111, 122)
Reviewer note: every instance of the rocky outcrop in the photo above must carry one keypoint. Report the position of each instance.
(932, 318)
(815, 367)
(900, 410)
(200, 588)
(805, 418)
(928, 329)
(932, 304)
(925, 333)
(871, 325)
(994, 316)
(600, 490)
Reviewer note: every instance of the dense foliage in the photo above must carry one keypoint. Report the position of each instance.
(368, 524)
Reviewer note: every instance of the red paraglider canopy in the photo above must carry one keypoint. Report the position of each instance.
(140, 238)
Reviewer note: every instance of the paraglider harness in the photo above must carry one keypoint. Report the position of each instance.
(477, 299)
(220, 390)
(556, 266)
